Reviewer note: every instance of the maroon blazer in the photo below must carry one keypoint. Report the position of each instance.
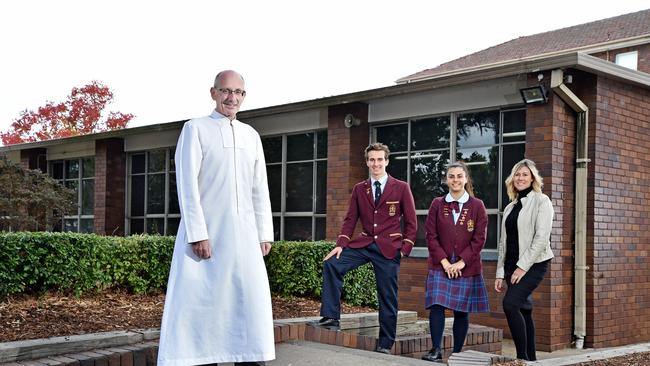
(466, 238)
(381, 224)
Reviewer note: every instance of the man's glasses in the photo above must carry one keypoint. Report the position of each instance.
(237, 92)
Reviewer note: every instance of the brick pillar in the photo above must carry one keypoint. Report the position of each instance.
(34, 159)
(110, 181)
(345, 164)
(550, 142)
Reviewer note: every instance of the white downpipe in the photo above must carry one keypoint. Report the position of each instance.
(580, 229)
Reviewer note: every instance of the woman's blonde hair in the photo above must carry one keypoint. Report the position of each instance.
(538, 181)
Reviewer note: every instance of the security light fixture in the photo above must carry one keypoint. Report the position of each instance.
(534, 94)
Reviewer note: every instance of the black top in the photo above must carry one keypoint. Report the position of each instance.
(512, 233)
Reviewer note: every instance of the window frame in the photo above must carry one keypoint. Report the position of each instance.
(487, 253)
(167, 172)
(283, 214)
(79, 180)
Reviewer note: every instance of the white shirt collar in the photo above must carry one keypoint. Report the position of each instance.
(381, 180)
(464, 198)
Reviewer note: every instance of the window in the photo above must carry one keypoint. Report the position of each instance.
(628, 59)
(296, 167)
(490, 142)
(78, 175)
(153, 201)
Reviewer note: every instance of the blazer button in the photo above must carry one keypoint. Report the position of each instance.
(375, 225)
(375, 236)
(375, 211)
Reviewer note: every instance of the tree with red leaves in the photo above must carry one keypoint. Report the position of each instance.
(80, 114)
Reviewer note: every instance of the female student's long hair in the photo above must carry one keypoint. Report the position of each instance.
(469, 187)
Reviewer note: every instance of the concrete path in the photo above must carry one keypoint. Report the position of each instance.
(301, 353)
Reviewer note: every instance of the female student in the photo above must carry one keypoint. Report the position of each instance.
(456, 229)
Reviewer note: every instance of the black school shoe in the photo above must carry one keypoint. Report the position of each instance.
(327, 323)
(434, 355)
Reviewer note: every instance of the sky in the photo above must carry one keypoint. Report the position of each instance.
(160, 57)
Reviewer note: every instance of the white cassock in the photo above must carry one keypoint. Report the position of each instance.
(219, 309)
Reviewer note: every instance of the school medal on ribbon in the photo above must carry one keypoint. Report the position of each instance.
(470, 225)
(392, 209)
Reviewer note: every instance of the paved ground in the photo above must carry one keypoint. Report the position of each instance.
(301, 353)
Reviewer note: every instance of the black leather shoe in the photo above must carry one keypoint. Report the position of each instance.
(434, 355)
(382, 350)
(328, 323)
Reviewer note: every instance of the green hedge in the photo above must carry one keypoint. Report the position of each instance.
(80, 263)
(296, 268)
(83, 263)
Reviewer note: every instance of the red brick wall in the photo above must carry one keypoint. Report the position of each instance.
(345, 164)
(619, 279)
(110, 175)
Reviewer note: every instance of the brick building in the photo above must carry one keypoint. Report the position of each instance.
(588, 132)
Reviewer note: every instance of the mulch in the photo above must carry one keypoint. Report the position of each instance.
(49, 315)
(30, 317)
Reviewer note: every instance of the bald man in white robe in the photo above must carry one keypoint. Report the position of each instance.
(218, 303)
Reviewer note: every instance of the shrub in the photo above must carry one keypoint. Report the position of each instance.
(80, 263)
(296, 268)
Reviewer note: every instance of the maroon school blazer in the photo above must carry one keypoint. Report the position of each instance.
(466, 238)
(381, 224)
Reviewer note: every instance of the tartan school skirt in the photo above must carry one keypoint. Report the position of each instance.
(466, 294)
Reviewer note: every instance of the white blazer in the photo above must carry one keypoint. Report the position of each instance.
(534, 225)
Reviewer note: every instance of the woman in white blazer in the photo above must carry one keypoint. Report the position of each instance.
(524, 252)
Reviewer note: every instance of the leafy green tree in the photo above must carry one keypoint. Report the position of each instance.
(31, 200)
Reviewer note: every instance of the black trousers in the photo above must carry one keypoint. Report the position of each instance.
(257, 363)
(386, 274)
(518, 307)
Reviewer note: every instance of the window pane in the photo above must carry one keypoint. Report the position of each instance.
(88, 170)
(137, 195)
(321, 187)
(427, 172)
(172, 225)
(57, 170)
(483, 168)
(137, 163)
(156, 226)
(430, 133)
(297, 228)
(300, 147)
(172, 161)
(321, 147)
(397, 166)
(156, 194)
(87, 226)
(87, 197)
(156, 161)
(272, 149)
(71, 169)
(299, 187)
(481, 128)
(394, 136)
(514, 126)
(137, 226)
(274, 177)
(74, 185)
(276, 228)
(491, 242)
(70, 225)
(512, 154)
(420, 238)
(320, 228)
(173, 195)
